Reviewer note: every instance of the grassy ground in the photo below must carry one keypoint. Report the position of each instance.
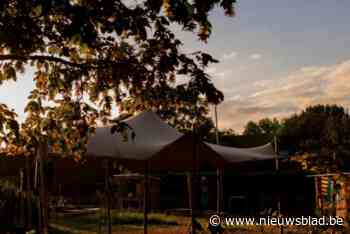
(132, 223)
(126, 222)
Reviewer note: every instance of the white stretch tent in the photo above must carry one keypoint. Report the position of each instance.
(153, 135)
(236, 155)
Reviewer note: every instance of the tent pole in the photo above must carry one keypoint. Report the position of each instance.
(145, 199)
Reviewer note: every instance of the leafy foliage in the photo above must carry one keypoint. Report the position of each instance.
(320, 137)
(90, 56)
(265, 126)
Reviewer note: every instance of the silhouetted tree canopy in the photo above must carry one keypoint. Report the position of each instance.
(252, 129)
(90, 56)
(265, 126)
(320, 136)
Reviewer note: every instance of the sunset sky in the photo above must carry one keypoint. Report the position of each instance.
(276, 57)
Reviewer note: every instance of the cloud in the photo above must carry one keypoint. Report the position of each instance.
(282, 97)
(262, 83)
(255, 56)
(228, 56)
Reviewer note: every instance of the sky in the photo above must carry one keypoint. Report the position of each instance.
(276, 58)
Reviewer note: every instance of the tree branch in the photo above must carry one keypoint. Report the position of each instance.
(87, 65)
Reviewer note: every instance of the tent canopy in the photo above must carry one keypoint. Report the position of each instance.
(236, 155)
(156, 140)
(151, 135)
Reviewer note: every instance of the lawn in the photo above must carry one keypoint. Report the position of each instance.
(132, 223)
(126, 222)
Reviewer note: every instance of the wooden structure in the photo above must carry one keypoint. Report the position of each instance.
(333, 194)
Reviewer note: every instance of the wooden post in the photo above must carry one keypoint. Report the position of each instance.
(216, 125)
(277, 173)
(189, 189)
(22, 200)
(43, 193)
(316, 193)
(219, 184)
(222, 204)
(276, 154)
(145, 198)
(28, 193)
(194, 183)
(108, 196)
(218, 192)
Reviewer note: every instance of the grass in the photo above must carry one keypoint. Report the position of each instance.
(127, 222)
(132, 223)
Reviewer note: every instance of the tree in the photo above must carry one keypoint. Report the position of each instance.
(269, 126)
(252, 128)
(265, 126)
(319, 137)
(90, 56)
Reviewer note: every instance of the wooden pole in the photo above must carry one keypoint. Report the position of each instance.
(276, 153)
(218, 194)
(219, 184)
(194, 182)
(145, 198)
(43, 193)
(108, 197)
(189, 189)
(222, 190)
(22, 200)
(216, 125)
(28, 193)
(317, 206)
(277, 173)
